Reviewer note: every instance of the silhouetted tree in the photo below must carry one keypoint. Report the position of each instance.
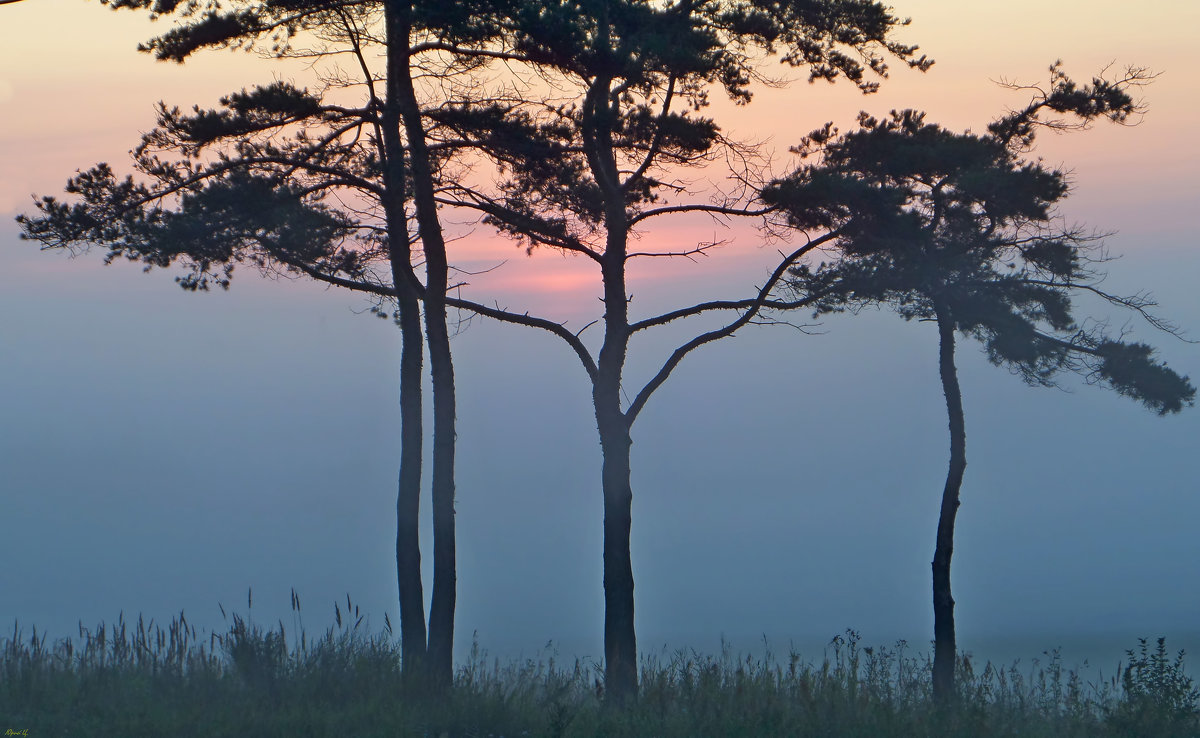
(255, 182)
(294, 180)
(960, 229)
(584, 177)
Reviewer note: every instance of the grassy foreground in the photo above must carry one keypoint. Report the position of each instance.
(143, 680)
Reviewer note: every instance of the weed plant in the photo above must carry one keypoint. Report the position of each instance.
(145, 680)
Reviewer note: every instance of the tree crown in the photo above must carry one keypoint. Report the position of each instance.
(962, 226)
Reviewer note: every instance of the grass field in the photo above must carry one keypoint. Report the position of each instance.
(142, 679)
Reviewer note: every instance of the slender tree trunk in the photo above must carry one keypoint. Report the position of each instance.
(620, 640)
(944, 646)
(408, 501)
(441, 612)
(413, 636)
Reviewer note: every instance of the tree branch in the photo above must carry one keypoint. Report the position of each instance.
(706, 307)
(715, 209)
(558, 329)
(656, 143)
(756, 305)
(527, 226)
(504, 316)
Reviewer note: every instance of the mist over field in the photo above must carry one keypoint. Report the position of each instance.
(163, 451)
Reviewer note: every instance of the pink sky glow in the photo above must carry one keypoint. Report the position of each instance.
(83, 93)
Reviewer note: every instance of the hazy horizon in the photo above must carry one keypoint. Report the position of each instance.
(165, 451)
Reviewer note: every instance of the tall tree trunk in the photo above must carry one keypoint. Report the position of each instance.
(413, 636)
(441, 611)
(620, 640)
(944, 646)
(408, 501)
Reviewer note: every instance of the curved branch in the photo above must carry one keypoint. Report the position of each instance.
(358, 182)
(1136, 303)
(469, 52)
(756, 305)
(504, 316)
(656, 144)
(370, 288)
(222, 168)
(558, 329)
(715, 209)
(707, 307)
(527, 224)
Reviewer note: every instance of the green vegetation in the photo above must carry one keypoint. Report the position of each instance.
(145, 680)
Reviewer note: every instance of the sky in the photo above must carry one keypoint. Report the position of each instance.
(163, 451)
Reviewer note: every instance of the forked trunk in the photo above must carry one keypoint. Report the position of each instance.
(408, 499)
(944, 645)
(403, 93)
(620, 641)
(413, 635)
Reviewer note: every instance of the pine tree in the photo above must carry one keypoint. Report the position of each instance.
(960, 229)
